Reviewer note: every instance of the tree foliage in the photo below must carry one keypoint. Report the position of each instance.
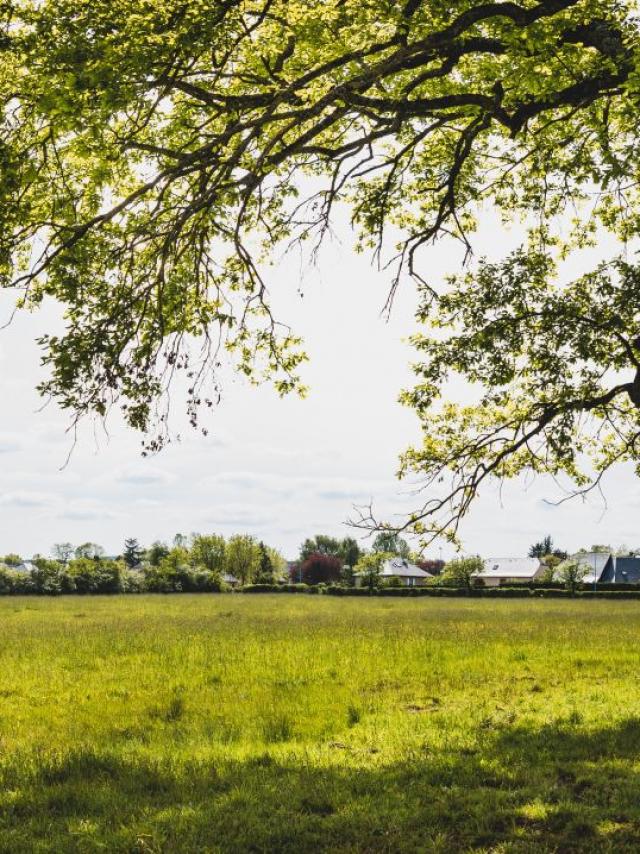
(370, 566)
(319, 568)
(133, 552)
(209, 551)
(154, 156)
(462, 571)
(242, 558)
(347, 549)
(571, 573)
(392, 543)
(546, 549)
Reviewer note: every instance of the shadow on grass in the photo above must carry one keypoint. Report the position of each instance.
(552, 789)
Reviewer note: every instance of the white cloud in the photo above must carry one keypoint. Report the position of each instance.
(144, 475)
(87, 510)
(27, 499)
(10, 443)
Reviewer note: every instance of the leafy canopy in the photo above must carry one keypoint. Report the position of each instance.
(155, 155)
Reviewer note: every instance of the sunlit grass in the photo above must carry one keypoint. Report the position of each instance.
(296, 723)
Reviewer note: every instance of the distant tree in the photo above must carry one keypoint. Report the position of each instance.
(542, 548)
(391, 543)
(11, 560)
(320, 544)
(321, 568)
(265, 573)
(209, 551)
(156, 552)
(370, 566)
(133, 553)
(279, 563)
(63, 552)
(294, 572)
(462, 571)
(180, 541)
(90, 550)
(89, 575)
(545, 549)
(432, 566)
(549, 572)
(571, 573)
(350, 552)
(242, 558)
(347, 576)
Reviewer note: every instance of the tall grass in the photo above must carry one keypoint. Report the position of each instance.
(236, 723)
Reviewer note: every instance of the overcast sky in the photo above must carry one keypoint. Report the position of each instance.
(279, 469)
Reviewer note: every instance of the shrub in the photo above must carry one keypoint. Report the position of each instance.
(275, 588)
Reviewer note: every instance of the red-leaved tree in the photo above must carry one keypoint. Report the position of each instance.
(320, 568)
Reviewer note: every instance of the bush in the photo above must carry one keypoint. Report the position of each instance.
(276, 588)
(87, 575)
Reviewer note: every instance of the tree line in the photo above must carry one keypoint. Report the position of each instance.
(201, 562)
(210, 563)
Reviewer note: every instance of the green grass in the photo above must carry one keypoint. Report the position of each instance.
(294, 723)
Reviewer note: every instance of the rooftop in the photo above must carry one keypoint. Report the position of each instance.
(510, 567)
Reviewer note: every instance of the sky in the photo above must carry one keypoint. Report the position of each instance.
(280, 469)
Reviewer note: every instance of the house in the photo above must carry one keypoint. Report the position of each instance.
(621, 569)
(408, 574)
(595, 565)
(506, 570)
(25, 566)
(231, 580)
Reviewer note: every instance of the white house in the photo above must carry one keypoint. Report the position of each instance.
(407, 573)
(503, 570)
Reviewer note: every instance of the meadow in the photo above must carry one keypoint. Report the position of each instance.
(232, 723)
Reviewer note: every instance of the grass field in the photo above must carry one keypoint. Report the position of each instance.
(296, 723)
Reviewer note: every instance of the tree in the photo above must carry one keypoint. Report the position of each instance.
(278, 562)
(571, 573)
(63, 552)
(434, 566)
(542, 548)
(320, 544)
(208, 551)
(321, 568)
(265, 573)
(462, 571)
(369, 567)
(242, 558)
(133, 553)
(350, 551)
(545, 550)
(12, 560)
(156, 552)
(391, 542)
(179, 141)
(601, 549)
(89, 550)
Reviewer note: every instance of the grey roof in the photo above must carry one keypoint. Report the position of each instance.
(593, 563)
(398, 567)
(510, 567)
(228, 578)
